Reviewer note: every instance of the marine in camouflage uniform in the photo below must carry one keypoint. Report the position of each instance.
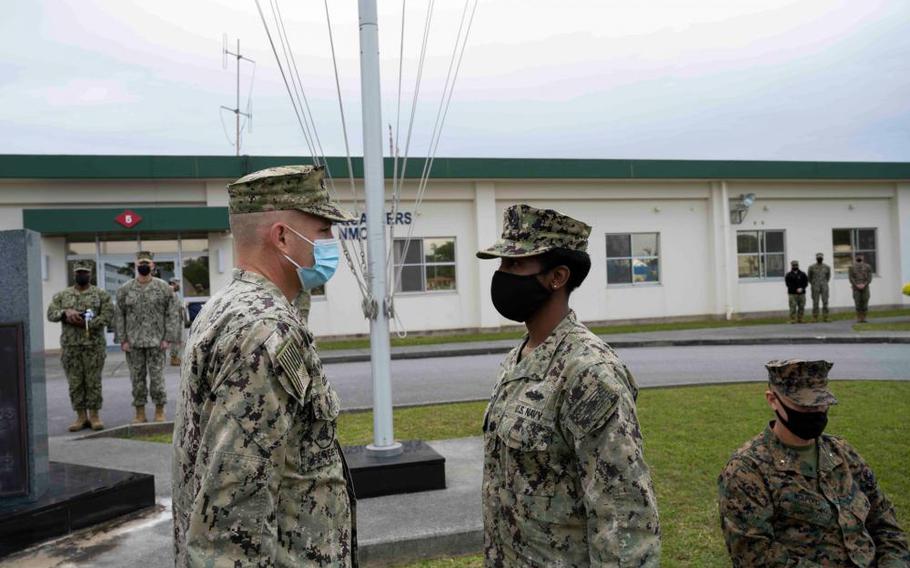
(819, 276)
(259, 475)
(147, 320)
(860, 274)
(816, 504)
(565, 482)
(83, 345)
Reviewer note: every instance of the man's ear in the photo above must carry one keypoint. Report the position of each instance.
(277, 236)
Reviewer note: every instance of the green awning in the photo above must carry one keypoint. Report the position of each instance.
(151, 220)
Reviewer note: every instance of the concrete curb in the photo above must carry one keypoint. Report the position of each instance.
(423, 547)
(327, 357)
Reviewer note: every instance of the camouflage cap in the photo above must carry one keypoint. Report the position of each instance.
(174, 280)
(528, 231)
(144, 255)
(803, 382)
(285, 188)
(794, 263)
(85, 265)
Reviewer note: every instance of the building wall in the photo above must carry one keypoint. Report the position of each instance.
(698, 261)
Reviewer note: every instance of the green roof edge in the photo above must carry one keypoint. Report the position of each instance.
(46, 166)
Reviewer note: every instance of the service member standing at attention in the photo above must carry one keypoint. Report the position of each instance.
(259, 477)
(148, 321)
(819, 276)
(860, 274)
(564, 482)
(793, 496)
(84, 311)
(796, 281)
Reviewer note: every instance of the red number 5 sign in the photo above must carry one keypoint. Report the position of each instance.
(128, 219)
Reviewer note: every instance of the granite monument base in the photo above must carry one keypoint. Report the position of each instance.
(77, 497)
(417, 468)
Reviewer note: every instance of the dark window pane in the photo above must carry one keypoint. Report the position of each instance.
(70, 275)
(645, 270)
(440, 278)
(748, 266)
(644, 244)
(196, 277)
(619, 272)
(414, 251)
(439, 250)
(842, 261)
(866, 239)
(746, 242)
(619, 245)
(411, 279)
(841, 240)
(774, 241)
(775, 265)
(870, 259)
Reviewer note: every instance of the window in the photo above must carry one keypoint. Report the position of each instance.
(633, 258)
(426, 265)
(196, 277)
(850, 242)
(760, 254)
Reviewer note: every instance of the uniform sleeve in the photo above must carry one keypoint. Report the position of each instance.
(851, 275)
(803, 280)
(827, 272)
(55, 309)
(120, 317)
(599, 414)
(746, 511)
(105, 316)
(233, 515)
(302, 302)
(890, 542)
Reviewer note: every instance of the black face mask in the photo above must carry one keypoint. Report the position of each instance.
(517, 296)
(83, 278)
(144, 269)
(805, 425)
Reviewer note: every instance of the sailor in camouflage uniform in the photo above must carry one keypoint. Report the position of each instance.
(83, 311)
(259, 476)
(184, 318)
(819, 276)
(564, 482)
(860, 274)
(148, 321)
(793, 496)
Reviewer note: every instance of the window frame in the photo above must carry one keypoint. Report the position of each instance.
(762, 255)
(423, 264)
(632, 258)
(854, 250)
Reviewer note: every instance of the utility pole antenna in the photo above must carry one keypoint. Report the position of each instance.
(236, 110)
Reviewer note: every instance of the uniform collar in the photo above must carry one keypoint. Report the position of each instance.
(536, 364)
(786, 459)
(258, 280)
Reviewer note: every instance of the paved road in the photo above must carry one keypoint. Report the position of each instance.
(460, 378)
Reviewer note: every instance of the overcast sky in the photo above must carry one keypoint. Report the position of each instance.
(688, 79)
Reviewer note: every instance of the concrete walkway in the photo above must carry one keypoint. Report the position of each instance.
(396, 528)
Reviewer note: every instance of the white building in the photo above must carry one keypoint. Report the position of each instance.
(665, 240)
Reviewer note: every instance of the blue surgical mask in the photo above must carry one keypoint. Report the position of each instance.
(325, 253)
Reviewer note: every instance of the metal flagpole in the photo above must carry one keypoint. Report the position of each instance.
(374, 189)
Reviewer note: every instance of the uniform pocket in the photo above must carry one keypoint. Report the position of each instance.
(524, 435)
(530, 463)
(232, 505)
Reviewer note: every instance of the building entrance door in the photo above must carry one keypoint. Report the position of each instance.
(115, 270)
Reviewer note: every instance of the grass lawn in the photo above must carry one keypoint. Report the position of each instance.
(689, 434)
(883, 326)
(602, 330)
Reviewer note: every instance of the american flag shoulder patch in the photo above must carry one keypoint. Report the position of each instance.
(291, 362)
